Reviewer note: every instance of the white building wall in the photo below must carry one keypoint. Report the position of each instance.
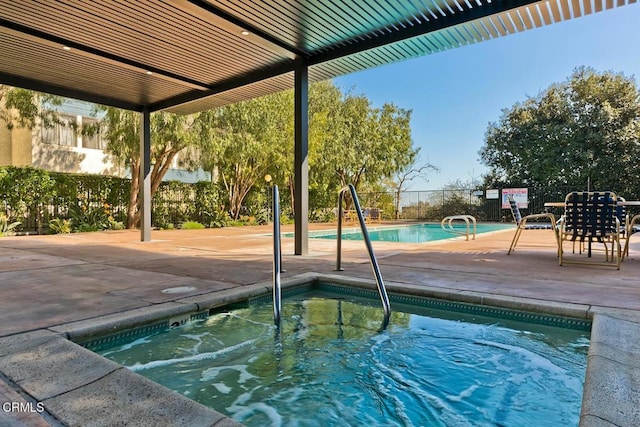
(77, 158)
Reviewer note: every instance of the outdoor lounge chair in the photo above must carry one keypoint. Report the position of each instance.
(591, 217)
(522, 223)
(623, 217)
(375, 215)
(632, 226)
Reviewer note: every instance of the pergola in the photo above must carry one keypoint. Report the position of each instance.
(185, 56)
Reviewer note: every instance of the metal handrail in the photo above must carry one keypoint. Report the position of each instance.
(277, 258)
(464, 218)
(372, 257)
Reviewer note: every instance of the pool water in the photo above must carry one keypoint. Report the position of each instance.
(329, 364)
(417, 233)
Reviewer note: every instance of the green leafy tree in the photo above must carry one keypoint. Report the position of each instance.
(170, 134)
(586, 129)
(25, 108)
(363, 145)
(349, 142)
(243, 142)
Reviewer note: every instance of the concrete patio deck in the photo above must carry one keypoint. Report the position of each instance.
(68, 286)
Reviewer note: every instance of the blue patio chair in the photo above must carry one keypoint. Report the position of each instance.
(523, 223)
(591, 217)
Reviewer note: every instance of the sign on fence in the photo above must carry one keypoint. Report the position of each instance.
(520, 195)
(492, 194)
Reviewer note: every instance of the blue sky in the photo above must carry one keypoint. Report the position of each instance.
(456, 93)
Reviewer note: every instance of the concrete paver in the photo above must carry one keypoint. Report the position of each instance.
(38, 370)
(120, 399)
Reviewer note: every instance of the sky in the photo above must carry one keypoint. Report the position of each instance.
(455, 94)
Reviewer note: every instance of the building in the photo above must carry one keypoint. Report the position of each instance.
(64, 148)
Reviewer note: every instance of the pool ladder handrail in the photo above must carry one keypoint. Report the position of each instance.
(464, 218)
(372, 257)
(277, 259)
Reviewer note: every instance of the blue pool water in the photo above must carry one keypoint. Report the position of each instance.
(417, 233)
(330, 364)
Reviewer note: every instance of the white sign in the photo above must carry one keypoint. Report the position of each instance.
(492, 194)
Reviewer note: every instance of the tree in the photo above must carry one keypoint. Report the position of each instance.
(586, 129)
(414, 169)
(170, 134)
(325, 99)
(363, 145)
(25, 108)
(242, 142)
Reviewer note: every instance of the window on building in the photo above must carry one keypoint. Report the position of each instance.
(92, 134)
(62, 133)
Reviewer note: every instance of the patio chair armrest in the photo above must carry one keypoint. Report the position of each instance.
(631, 224)
(549, 216)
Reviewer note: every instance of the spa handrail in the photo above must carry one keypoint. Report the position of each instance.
(372, 257)
(277, 258)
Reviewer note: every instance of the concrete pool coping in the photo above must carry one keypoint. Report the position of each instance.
(100, 392)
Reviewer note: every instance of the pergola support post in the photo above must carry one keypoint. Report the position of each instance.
(145, 175)
(301, 160)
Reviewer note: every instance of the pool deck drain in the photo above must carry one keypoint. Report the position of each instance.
(82, 285)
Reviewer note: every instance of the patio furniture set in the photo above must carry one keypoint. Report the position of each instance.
(589, 217)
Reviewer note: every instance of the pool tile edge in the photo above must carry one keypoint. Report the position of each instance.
(84, 329)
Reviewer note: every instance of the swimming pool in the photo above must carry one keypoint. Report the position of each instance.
(330, 364)
(416, 233)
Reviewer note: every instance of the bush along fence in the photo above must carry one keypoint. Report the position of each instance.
(43, 202)
(37, 201)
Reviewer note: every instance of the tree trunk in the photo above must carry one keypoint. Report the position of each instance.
(133, 218)
(160, 168)
(292, 193)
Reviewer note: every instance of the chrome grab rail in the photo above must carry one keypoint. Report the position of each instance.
(277, 258)
(372, 257)
(464, 218)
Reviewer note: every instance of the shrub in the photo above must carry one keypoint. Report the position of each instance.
(322, 215)
(25, 189)
(217, 219)
(115, 225)
(85, 217)
(60, 226)
(192, 225)
(168, 226)
(7, 228)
